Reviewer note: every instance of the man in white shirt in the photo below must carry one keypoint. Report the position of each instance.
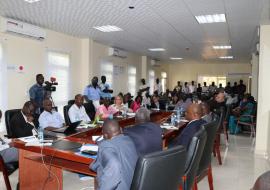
(144, 88)
(204, 88)
(77, 111)
(157, 87)
(9, 154)
(50, 119)
(185, 88)
(192, 87)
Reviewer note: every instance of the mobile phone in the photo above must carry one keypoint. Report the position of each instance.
(89, 152)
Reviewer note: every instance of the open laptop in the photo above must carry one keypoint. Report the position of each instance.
(68, 130)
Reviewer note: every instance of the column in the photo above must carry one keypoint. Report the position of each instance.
(263, 131)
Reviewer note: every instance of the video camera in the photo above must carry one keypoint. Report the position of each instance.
(50, 86)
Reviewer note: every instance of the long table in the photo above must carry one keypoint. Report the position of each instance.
(41, 167)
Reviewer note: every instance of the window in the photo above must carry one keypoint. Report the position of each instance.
(1, 77)
(209, 79)
(132, 80)
(163, 81)
(3, 86)
(151, 77)
(107, 70)
(58, 67)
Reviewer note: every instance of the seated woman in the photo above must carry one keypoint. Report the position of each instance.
(119, 106)
(245, 108)
(175, 99)
(136, 104)
(106, 110)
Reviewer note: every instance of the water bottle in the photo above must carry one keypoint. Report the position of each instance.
(172, 120)
(166, 106)
(178, 114)
(181, 112)
(40, 134)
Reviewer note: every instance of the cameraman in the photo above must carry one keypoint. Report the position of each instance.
(37, 93)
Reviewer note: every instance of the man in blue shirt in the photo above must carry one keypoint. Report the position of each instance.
(106, 92)
(37, 93)
(92, 92)
(116, 159)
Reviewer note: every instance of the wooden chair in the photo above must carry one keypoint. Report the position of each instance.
(7, 170)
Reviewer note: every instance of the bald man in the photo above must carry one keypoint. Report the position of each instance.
(116, 159)
(207, 114)
(77, 111)
(193, 115)
(50, 119)
(146, 135)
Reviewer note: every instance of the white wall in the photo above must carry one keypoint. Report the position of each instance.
(189, 71)
(263, 113)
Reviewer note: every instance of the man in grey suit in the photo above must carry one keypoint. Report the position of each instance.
(116, 159)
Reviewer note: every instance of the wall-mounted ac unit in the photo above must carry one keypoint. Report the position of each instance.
(21, 28)
(117, 52)
(155, 63)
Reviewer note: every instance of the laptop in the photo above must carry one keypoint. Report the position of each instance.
(68, 130)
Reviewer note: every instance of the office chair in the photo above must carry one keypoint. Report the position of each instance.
(7, 170)
(205, 168)
(90, 110)
(8, 116)
(216, 149)
(160, 170)
(194, 154)
(66, 116)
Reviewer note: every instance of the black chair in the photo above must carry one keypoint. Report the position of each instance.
(71, 102)
(160, 170)
(205, 168)
(66, 116)
(8, 116)
(194, 154)
(90, 110)
(7, 170)
(216, 148)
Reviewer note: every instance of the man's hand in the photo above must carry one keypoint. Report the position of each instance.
(30, 119)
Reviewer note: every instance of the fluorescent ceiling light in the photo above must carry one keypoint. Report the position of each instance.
(108, 28)
(226, 57)
(176, 58)
(204, 19)
(222, 47)
(31, 1)
(156, 49)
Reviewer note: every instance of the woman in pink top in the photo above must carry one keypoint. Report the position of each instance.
(105, 110)
(136, 104)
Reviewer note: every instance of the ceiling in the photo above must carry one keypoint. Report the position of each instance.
(168, 24)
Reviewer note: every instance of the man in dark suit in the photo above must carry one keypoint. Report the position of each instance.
(22, 123)
(147, 136)
(193, 115)
(116, 159)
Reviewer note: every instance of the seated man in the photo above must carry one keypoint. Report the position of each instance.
(50, 119)
(116, 159)
(147, 136)
(77, 111)
(9, 154)
(207, 115)
(193, 115)
(22, 123)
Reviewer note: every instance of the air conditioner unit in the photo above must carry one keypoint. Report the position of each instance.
(21, 28)
(117, 52)
(155, 63)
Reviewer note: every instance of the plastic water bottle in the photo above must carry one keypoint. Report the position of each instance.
(178, 114)
(40, 134)
(172, 120)
(166, 106)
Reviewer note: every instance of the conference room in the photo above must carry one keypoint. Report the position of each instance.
(176, 91)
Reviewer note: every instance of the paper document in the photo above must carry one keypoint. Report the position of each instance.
(91, 147)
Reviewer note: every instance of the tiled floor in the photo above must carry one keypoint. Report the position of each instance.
(238, 172)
